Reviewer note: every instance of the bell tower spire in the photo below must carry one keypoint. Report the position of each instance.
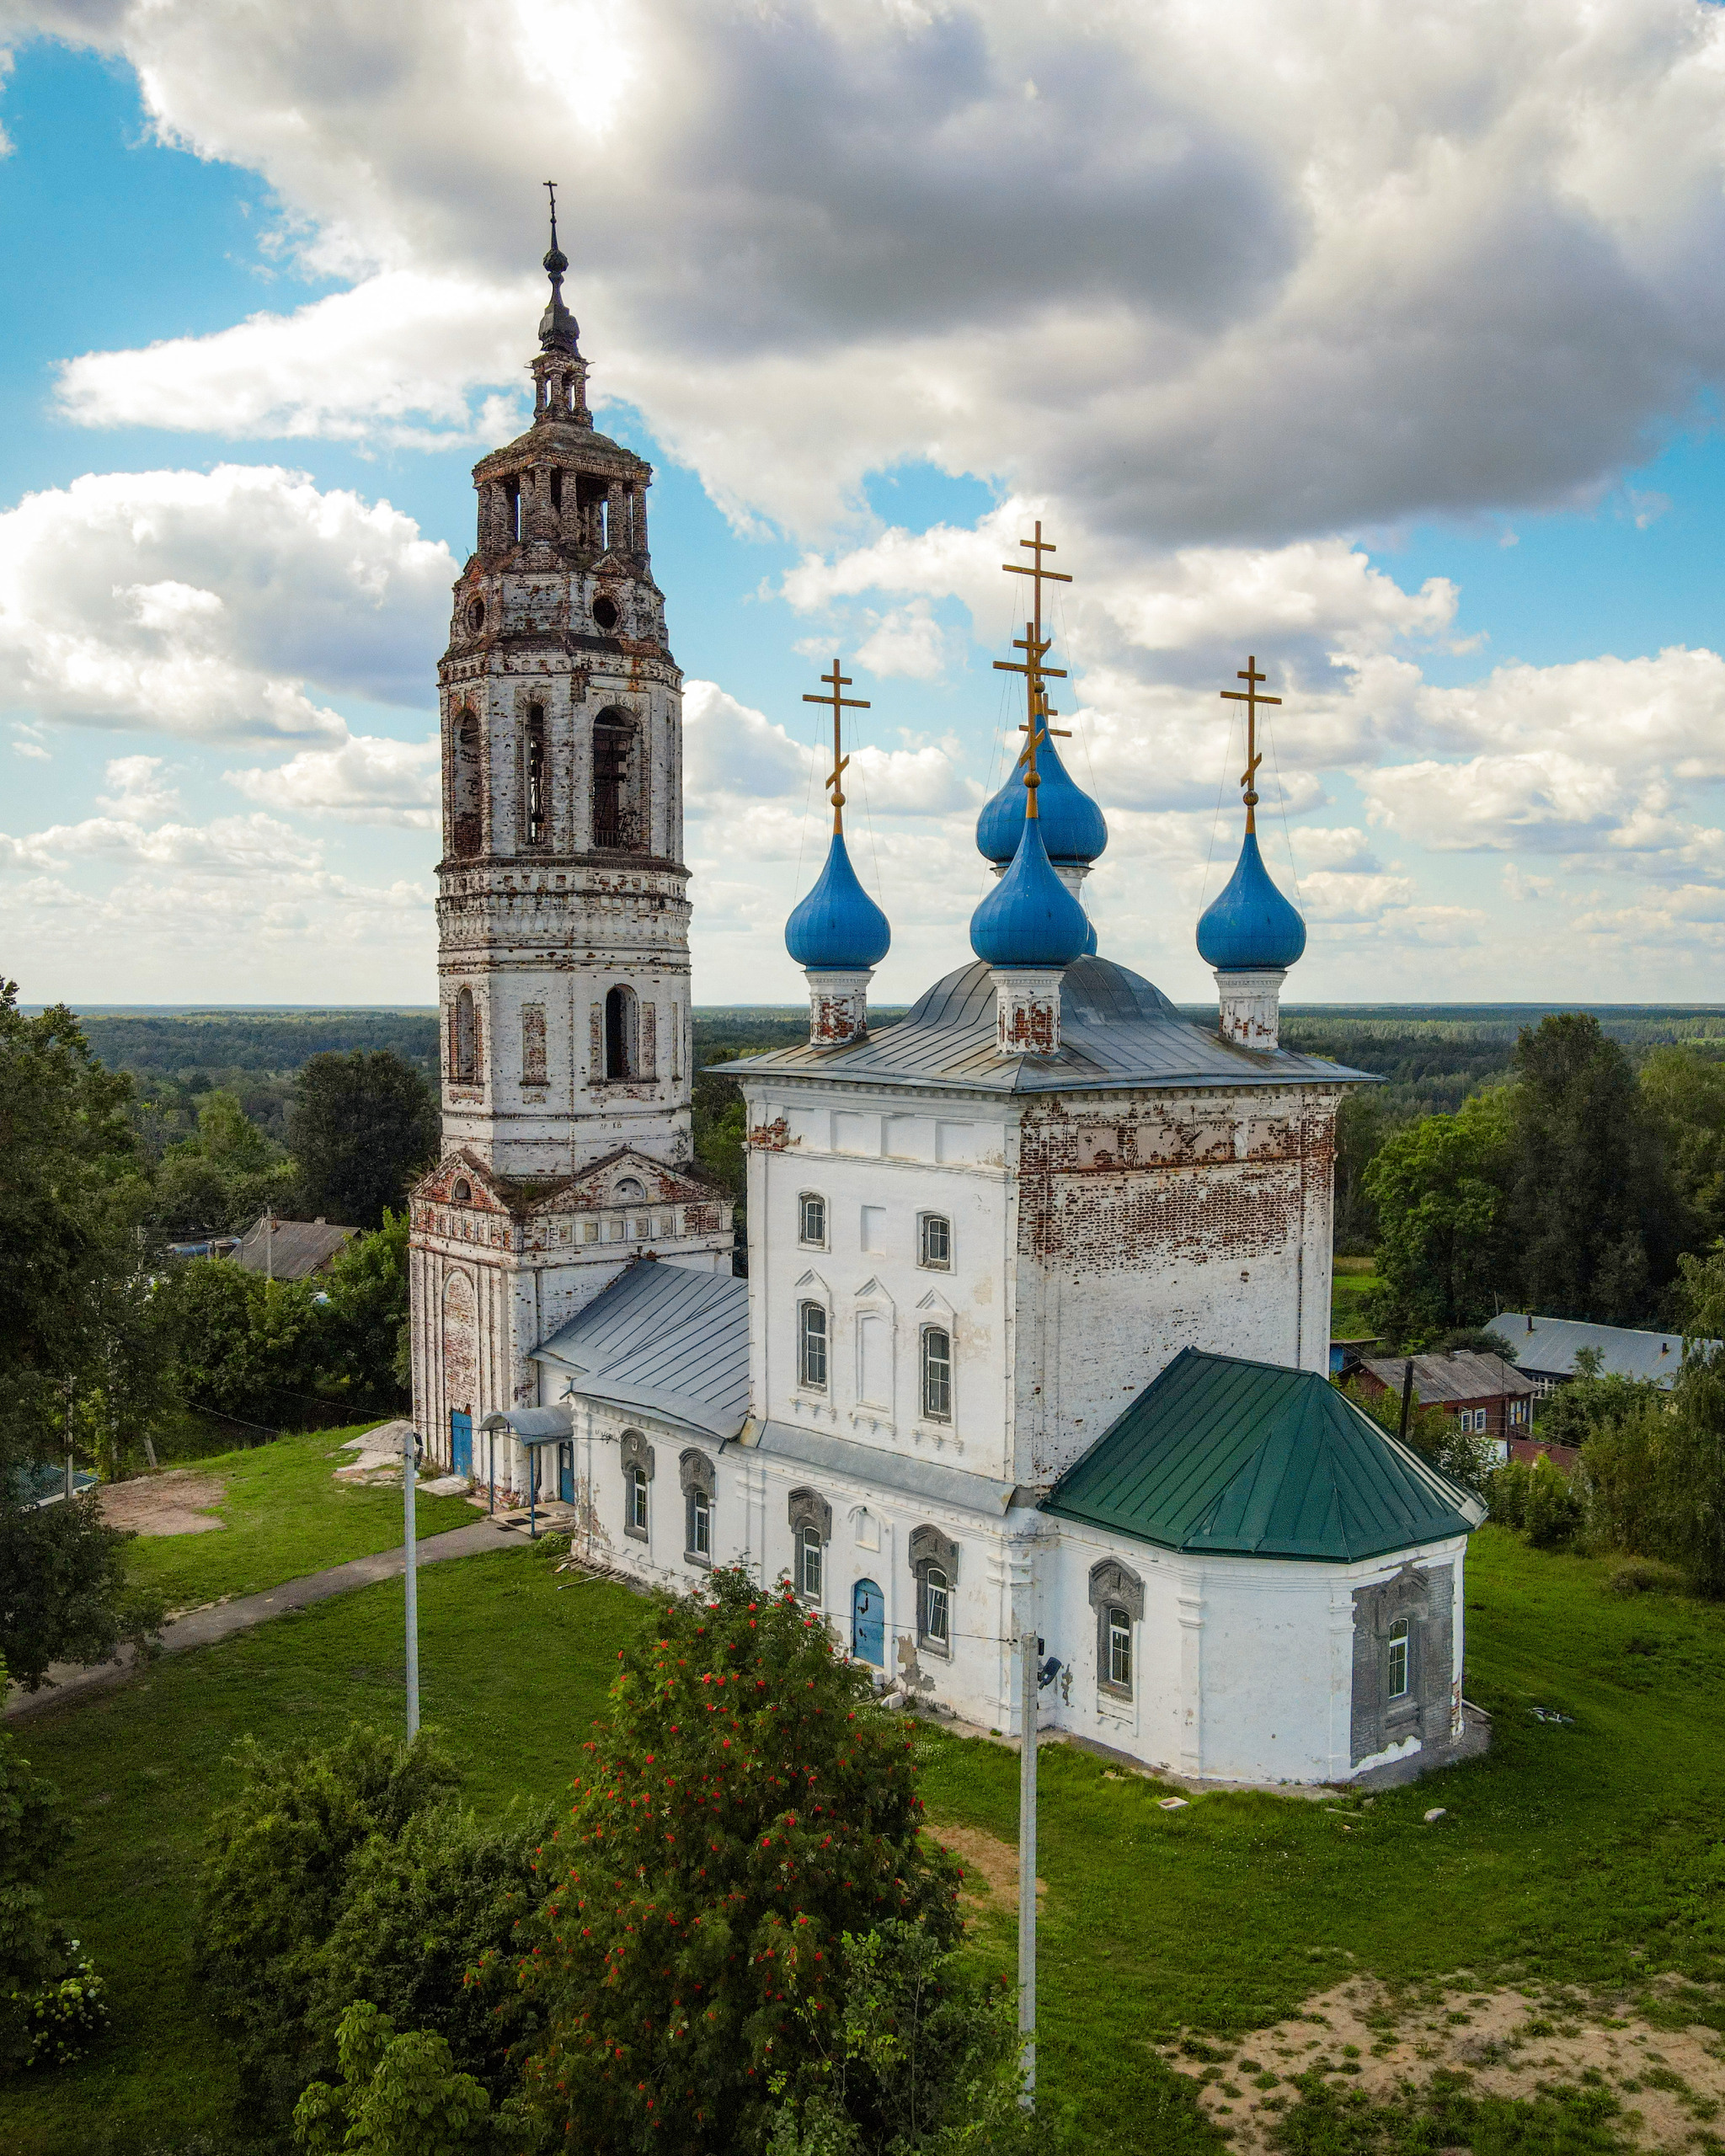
(560, 372)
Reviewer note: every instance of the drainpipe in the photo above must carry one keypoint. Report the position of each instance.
(1407, 1399)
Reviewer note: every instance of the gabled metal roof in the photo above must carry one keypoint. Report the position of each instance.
(1548, 1346)
(1438, 1378)
(932, 1479)
(670, 1341)
(1116, 1030)
(290, 1250)
(1247, 1460)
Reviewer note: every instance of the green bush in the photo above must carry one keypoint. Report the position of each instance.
(1553, 1513)
(276, 1872)
(399, 2096)
(67, 2015)
(1506, 1493)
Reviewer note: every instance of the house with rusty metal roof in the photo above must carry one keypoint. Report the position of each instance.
(1489, 1396)
(1033, 1337)
(290, 1250)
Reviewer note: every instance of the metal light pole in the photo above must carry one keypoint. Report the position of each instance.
(409, 1461)
(1027, 1650)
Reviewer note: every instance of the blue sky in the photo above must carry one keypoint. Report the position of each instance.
(1423, 419)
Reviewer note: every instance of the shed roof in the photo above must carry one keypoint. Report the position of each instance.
(666, 1340)
(1466, 1374)
(1548, 1346)
(1116, 1029)
(1247, 1460)
(290, 1250)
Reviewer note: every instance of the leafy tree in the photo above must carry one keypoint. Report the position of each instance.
(399, 2096)
(361, 1127)
(921, 2059)
(745, 1807)
(242, 1342)
(37, 1957)
(1684, 1092)
(274, 1875)
(364, 1329)
(417, 1911)
(1572, 1414)
(1588, 1189)
(1360, 1131)
(73, 1313)
(223, 1178)
(1438, 1187)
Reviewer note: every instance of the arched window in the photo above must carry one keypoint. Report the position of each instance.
(811, 1346)
(1400, 1676)
(934, 1241)
(616, 784)
(698, 1479)
(638, 1476)
(934, 1564)
(464, 1040)
(937, 1374)
(462, 1195)
(535, 820)
(809, 1565)
(811, 1530)
(811, 1220)
(466, 785)
(620, 1033)
(1117, 1596)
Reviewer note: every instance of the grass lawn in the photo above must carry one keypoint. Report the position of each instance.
(283, 1515)
(1351, 1282)
(1593, 1852)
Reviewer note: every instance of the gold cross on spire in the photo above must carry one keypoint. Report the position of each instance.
(1249, 697)
(1039, 547)
(1038, 710)
(837, 682)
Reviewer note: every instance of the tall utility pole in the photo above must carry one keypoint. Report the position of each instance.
(1028, 1649)
(409, 1460)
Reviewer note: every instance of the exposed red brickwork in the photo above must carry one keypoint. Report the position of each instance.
(774, 1137)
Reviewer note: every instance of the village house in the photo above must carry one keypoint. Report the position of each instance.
(1545, 1349)
(290, 1250)
(1488, 1396)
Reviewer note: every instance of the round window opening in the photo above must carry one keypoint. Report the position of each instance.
(476, 615)
(605, 613)
(629, 1192)
(463, 1191)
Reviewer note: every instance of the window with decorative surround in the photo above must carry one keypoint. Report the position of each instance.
(934, 1241)
(811, 1220)
(937, 1374)
(811, 1346)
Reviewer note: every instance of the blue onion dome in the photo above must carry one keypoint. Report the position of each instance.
(1251, 925)
(838, 928)
(1030, 918)
(1072, 825)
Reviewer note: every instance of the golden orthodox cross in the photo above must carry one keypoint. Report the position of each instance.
(550, 190)
(837, 682)
(1039, 712)
(1249, 697)
(1039, 547)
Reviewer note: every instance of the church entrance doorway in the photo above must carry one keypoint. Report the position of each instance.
(461, 1441)
(868, 1623)
(566, 1474)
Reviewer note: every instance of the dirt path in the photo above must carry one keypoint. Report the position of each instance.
(174, 1503)
(1671, 2082)
(200, 1627)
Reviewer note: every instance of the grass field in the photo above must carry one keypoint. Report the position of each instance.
(1351, 1281)
(1591, 1852)
(283, 1515)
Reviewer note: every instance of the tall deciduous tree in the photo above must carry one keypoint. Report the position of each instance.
(1439, 1188)
(1588, 1196)
(746, 1806)
(361, 1127)
(76, 1321)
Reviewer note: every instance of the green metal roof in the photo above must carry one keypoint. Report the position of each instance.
(1247, 1460)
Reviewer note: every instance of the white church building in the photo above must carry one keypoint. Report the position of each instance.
(1034, 1332)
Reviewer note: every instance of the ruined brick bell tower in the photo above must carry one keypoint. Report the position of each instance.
(562, 913)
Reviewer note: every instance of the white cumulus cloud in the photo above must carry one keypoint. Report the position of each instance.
(370, 779)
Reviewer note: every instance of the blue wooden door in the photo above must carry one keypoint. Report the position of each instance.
(460, 1442)
(566, 1474)
(868, 1623)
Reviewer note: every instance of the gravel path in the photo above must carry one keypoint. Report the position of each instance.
(69, 1681)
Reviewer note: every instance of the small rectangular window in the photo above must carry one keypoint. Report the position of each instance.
(811, 1220)
(1120, 1650)
(937, 1374)
(936, 1619)
(1398, 1660)
(934, 1242)
(811, 1352)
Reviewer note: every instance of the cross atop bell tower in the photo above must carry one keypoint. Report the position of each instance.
(560, 372)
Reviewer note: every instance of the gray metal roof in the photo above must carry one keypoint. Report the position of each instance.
(663, 1339)
(1116, 1030)
(893, 1470)
(290, 1250)
(1547, 1347)
(1464, 1376)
